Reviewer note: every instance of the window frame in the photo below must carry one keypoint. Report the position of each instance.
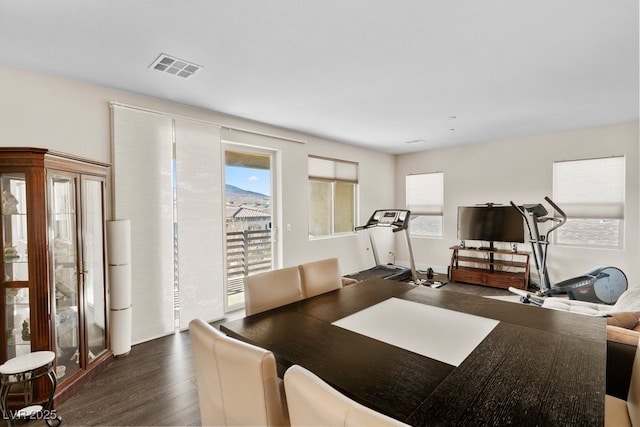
(425, 206)
(614, 211)
(333, 172)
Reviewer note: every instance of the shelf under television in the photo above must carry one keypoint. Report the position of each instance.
(489, 268)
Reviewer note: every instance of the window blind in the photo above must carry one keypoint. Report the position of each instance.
(144, 193)
(333, 170)
(142, 163)
(592, 188)
(425, 193)
(199, 218)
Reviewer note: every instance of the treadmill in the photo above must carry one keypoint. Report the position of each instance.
(397, 220)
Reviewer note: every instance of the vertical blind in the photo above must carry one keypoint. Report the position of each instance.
(425, 193)
(199, 218)
(143, 162)
(592, 188)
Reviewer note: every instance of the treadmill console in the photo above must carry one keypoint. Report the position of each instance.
(397, 219)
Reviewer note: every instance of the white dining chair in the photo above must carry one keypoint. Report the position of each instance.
(320, 276)
(313, 402)
(271, 289)
(237, 382)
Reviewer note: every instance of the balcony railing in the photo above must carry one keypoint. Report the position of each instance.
(248, 252)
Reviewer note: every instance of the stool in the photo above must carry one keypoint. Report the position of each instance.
(24, 370)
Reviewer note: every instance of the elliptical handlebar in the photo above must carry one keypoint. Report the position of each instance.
(518, 208)
(533, 215)
(560, 221)
(521, 211)
(539, 218)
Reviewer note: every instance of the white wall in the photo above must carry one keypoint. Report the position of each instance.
(520, 169)
(71, 117)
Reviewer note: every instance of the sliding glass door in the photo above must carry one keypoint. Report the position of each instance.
(249, 218)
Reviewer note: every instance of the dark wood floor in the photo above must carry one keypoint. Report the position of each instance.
(155, 384)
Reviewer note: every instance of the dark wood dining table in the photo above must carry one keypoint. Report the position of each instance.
(536, 367)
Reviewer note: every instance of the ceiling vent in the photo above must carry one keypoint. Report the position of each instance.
(175, 66)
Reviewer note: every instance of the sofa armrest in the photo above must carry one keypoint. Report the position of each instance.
(622, 335)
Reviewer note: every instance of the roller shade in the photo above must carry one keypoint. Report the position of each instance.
(425, 193)
(592, 188)
(333, 170)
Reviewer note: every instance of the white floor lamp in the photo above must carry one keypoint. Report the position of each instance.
(119, 260)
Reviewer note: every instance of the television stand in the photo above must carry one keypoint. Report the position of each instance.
(489, 267)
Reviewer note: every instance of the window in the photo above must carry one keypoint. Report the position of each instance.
(591, 193)
(332, 196)
(425, 200)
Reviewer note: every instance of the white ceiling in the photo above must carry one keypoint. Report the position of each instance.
(373, 73)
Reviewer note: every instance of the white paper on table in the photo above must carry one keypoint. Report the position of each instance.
(445, 335)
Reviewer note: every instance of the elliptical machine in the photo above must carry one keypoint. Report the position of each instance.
(602, 285)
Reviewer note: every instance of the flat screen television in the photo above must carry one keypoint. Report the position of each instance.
(490, 224)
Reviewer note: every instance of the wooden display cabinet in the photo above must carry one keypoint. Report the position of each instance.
(53, 269)
(489, 267)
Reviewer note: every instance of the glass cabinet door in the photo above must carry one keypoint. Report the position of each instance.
(15, 268)
(93, 265)
(79, 271)
(63, 223)
(52, 273)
